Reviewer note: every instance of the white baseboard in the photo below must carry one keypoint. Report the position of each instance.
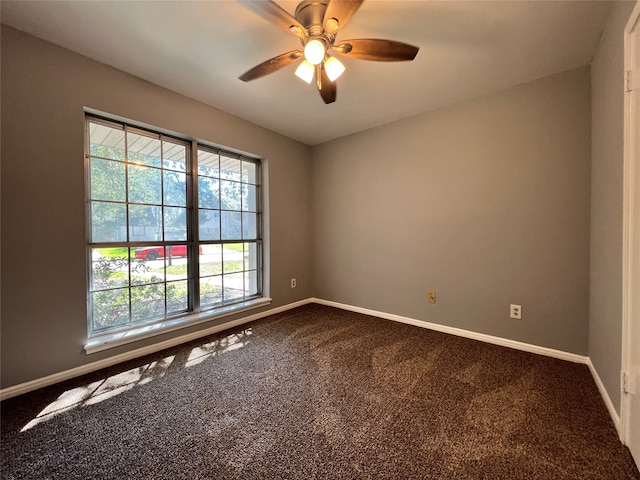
(107, 362)
(605, 396)
(504, 342)
(25, 387)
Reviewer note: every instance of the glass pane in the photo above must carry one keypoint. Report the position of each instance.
(145, 185)
(233, 287)
(145, 223)
(142, 149)
(177, 297)
(110, 308)
(109, 268)
(211, 260)
(108, 180)
(208, 192)
(250, 256)
(249, 172)
(147, 302)
(209, 227)
(148, 266)
(175, 189)
(208, 164)
(176, 262)
(231, 222)
(230, 168)
(174, 156)
(211, 291)
(249, 230)
(249, 203)
(106, 142)
(175, 223)
(232, 256)
(251, 283)
(108, 222)
(230, 195)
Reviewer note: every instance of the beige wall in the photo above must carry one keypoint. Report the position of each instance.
(44, 90)
(486, 202)
(605, 312)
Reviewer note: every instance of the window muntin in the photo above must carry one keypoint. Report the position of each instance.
(146, 241)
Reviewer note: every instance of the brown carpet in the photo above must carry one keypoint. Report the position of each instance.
(319, 393)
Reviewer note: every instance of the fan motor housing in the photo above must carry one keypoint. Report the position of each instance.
(310, 14)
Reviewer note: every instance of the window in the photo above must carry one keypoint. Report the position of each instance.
(174, 228)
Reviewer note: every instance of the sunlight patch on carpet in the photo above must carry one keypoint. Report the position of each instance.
(211, 349)
(101, 390)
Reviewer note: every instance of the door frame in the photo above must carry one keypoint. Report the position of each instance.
(631, 218)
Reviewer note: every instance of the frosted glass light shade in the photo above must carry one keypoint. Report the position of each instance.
(314, 52)
(334, 68)
(305, 71)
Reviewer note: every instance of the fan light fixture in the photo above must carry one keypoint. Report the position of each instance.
(334, 68)
(305, 71)
(314, 51)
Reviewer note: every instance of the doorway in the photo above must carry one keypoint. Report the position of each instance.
(630, 411)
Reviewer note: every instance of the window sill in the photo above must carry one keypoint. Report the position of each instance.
(111, 340)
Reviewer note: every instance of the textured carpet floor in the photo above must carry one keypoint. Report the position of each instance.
(319, 393)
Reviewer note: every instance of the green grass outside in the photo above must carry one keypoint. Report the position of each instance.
(116, 252)
(209, 268)
(235, 247)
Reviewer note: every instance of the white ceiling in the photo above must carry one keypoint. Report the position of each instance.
(199, 49)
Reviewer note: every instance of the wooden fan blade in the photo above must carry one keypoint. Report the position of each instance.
(342, 11)
(326, 87)
(275, 14)
(272, 65)
(377, 50)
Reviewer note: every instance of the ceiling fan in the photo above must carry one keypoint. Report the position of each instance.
(317, 23)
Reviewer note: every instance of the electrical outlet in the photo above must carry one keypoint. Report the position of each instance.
(294, 283)
(516, 311)
(431, 297)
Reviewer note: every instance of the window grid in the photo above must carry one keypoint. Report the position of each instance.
(237, 273)
(137, 279)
